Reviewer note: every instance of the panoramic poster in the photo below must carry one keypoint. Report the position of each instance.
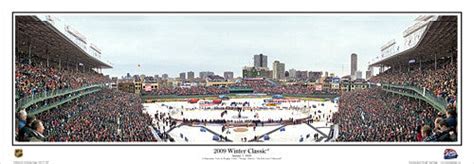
(317, 84)
(236, 79)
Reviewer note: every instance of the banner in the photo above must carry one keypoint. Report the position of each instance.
(319, 87)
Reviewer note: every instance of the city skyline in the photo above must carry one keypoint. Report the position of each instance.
(173, 44)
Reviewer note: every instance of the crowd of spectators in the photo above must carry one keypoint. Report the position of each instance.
(186, 91)
(289, 89)
(108, 115)
(442, 81)
(31, 79)
(373, 115)
(257, 82)
(258, 86)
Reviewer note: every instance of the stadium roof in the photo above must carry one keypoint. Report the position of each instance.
(46, 40)
(438, 38)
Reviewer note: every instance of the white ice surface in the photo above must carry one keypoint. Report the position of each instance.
(291, 134)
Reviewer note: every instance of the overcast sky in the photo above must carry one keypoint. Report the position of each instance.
(174, 43)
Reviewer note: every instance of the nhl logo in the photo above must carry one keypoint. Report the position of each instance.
(18, 153)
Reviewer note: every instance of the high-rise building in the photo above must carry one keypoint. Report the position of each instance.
(260, 60)
(314, 76)
(353, 63)
(205, 74)
(190, 75)
(281, 71)
(182, 76)
(228, 75)
(368, 74)
(275, 70)
(278, 70)
(292, 73)
(358, 75)
(302, 75)
(136, 77)
(164, 76)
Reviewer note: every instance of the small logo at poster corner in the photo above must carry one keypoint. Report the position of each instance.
(450, 154)
(18, 153)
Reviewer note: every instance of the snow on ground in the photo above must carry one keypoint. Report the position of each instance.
(292, 133)
(193, 134)
(238, 136)
(322, 124)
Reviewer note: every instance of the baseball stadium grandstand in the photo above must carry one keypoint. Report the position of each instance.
(418, 93)
(246, 85)
(60, 94)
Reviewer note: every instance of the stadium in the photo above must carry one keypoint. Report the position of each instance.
(61, 95)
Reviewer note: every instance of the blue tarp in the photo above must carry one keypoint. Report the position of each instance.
(266, 137)
(223, 97)
(282, 129)
(277, 96)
